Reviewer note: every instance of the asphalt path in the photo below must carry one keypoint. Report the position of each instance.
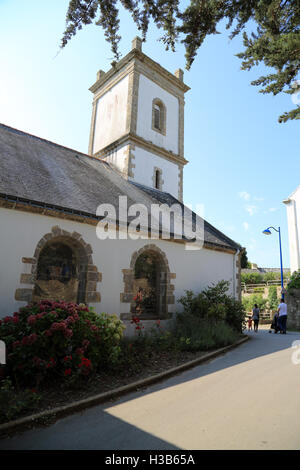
(248, 398)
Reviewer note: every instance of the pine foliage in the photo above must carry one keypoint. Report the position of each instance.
(274, 40)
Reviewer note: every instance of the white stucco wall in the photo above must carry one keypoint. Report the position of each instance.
(117, 158)
(145, 162)
(293, 218)
(148, 91)
(20, 233)
(110, 120)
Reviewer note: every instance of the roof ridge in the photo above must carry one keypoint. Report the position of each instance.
(221, 233)
(32, 136)
(217, 232)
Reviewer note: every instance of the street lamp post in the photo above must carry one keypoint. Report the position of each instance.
(267, 231)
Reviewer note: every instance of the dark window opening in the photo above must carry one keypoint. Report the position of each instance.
(157, 179)
(149, 287)
(57, 262)
(157, 117)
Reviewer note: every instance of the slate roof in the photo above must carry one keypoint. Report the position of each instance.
(40, 171)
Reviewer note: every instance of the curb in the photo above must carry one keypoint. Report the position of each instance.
(79, 405)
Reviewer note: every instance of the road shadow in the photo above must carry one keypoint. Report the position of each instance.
(95, 428)
(88, 430)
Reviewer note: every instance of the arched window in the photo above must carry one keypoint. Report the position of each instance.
(61, 272)
(158, 116)
(157, 179)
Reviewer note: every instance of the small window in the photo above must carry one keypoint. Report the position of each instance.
(157, 179)
(158, 116)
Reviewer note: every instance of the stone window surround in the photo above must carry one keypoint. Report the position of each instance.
(93, 276)
(128, 277)
(163, 116)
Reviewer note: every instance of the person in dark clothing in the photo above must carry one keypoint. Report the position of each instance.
(282, 316)
(255, 317)
(274, 325)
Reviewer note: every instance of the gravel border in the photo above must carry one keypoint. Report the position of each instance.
(42, 417)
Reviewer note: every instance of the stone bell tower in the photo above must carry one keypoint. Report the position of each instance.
(138, 121)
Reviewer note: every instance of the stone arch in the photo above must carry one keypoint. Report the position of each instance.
(166, 289)
(88, 275)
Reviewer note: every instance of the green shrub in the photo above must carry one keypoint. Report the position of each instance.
(258, 290)
(272, 276)
(214, 304)
(251, 300)
(201, 334)
(252, 278)
(294, 281)
(12, 402)
(273, 300)
(49, 340)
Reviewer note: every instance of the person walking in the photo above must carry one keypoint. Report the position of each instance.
(282, 316)
(255, 317)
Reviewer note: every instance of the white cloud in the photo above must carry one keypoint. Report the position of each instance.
(251, 210)
(273, 209)
(246, 226)
(258, 199)
(244, 195)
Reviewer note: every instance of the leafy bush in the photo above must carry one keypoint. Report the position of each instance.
(252, 278)
(259, 290)
(273, 300)
(199, 334)
(215, 305)
(251, 300)
(272, 276)
(12, 402)
(294, 281)
(47, 340)
(210, 319)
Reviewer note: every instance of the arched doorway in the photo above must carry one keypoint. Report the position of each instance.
(57, 275)
(149, 279)
(149, 267)
(149, 270)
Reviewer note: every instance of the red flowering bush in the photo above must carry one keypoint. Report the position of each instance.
(59, 339)
(138, 324)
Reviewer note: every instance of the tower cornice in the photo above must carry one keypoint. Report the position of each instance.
(135, 139)
(138, 58)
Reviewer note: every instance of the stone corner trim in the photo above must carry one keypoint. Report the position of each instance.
(89, 275)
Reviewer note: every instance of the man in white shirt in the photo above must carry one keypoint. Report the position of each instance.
(282, 316)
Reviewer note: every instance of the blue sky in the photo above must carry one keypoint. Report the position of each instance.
(242, 162)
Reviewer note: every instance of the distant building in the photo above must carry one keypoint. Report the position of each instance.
(293, 215)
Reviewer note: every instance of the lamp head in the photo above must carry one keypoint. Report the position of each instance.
(267, 232)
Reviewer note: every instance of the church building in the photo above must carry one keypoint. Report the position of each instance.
(55, 204)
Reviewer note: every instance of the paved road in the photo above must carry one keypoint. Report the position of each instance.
(248, 398)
